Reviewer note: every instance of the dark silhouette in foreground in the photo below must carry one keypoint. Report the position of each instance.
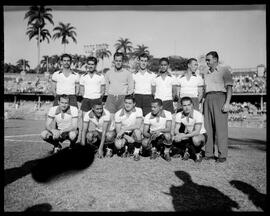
(13, 174)
(194, 197)
(43, 207)
(68, 159)
(258, 199)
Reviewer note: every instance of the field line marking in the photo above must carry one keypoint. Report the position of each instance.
(22, 135)
(12, 140)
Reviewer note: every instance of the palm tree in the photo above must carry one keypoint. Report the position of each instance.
(23, 64)
(45, 62)
(36, 17)
(140, 49)
(64, 31)
(125, 45)
(104, 53)
(41, 34)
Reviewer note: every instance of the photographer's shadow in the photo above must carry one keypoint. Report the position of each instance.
(258, 199)
(43, 170)
(68, 159)
(13, 174)
(194, 197)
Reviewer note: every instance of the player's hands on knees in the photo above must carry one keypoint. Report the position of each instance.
(155, 134)
(179, 137)
(129, 139)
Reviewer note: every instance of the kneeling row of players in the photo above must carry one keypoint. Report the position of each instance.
(122, 133)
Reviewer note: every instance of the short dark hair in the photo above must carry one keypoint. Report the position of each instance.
(158, 101)
(190, 60)
(97, 102)
(130, 97)
(186, 99)
(143, 55)
(213, 53)
(164, 59)
(118, 54)
(64, 96)
(92, 58)
(65, 55)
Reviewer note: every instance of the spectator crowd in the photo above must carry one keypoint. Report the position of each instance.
(249, 84)
(242, 111)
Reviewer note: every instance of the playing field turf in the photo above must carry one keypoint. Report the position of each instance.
(121, 184)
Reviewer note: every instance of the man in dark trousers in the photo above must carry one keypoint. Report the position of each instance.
(218, 92)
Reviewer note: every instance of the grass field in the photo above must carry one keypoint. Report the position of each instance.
(121, 184)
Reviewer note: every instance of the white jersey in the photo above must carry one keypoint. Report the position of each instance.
(63, 119)
(90, 116)
(128, 120)
(92, 85)
(65, 85)
(158, 122)
(189, 121)
(143, 82)
(164, 87)
(189, 88)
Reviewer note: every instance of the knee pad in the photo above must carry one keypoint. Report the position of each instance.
(119, 143)
(72, 135)
(44, 135)
(109, 136)
(89, 137)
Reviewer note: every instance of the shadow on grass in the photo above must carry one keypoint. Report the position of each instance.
(13, 174)
(68, 159)
(43, 207)
(43, 170)
(194, 197)
(258, 199)
(253, 143)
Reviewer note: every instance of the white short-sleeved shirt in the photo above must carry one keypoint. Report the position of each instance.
(63, 120)
(90, 116)
(65, 85)
(189, 88)
(164, 86)
(92, 85)
(126, 121)
(143, 82)
(157, 123)
(194, 118)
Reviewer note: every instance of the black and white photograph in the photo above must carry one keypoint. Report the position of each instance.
(135, 108)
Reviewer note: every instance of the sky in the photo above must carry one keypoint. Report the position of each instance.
(237, 33)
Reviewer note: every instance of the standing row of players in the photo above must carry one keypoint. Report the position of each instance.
(145, 86)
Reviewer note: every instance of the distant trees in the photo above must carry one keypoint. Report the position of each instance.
(102, 54)
(22, 64)
(63, 32)
(140, 49)
(124, 46)
(177, 63)
(37, 15)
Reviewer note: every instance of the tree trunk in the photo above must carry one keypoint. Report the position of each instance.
(47, 63)
(64, 47)
(38, 49)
